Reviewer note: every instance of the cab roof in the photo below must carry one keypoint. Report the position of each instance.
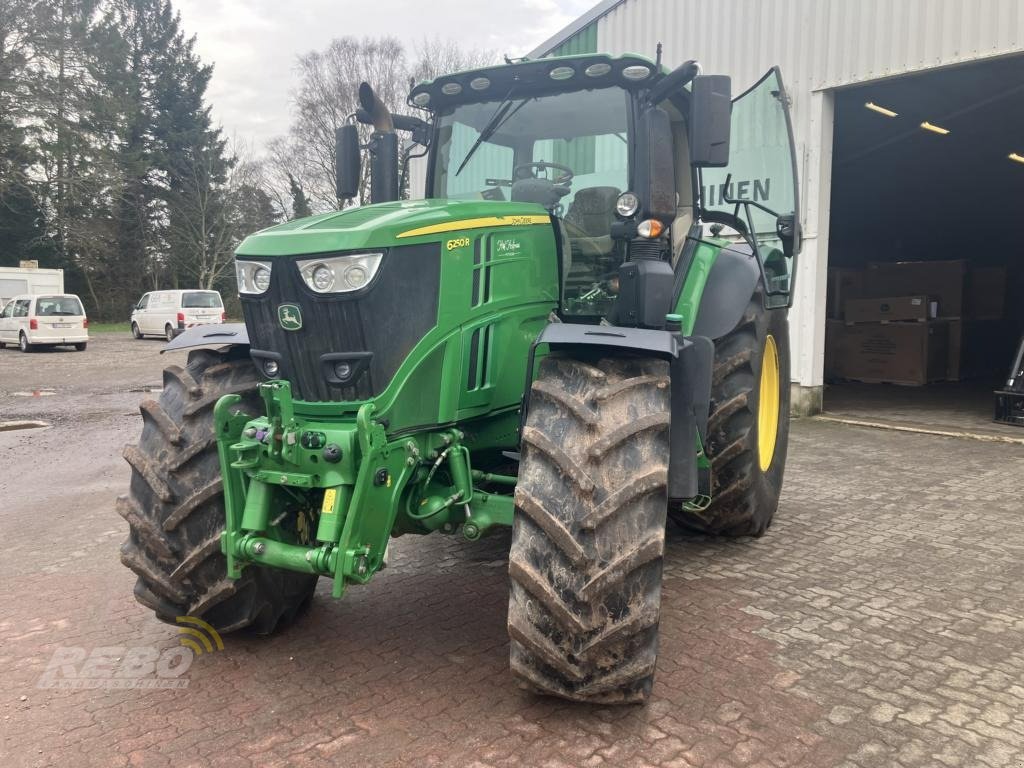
(555, 74)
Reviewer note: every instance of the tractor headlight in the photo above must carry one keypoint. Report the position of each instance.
(253, 276)
(340, 274)
(323, 278)
(627, 205)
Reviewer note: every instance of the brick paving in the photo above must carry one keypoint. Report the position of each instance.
(878, 623)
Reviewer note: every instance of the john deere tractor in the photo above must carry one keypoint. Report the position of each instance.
(578, 331)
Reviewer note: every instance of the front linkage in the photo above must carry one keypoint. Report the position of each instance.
(324, 497)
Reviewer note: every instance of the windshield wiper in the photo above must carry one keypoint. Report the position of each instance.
(497, 119)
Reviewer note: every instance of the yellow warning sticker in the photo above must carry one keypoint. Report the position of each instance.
(329, 496)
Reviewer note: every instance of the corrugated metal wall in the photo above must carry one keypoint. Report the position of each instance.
(819, 45)
(584, 41)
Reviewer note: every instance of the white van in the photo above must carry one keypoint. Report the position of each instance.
(44, 321)
(168, 313)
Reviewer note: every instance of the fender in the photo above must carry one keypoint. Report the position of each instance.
(212, 336)
(731, 282)
(690, 369)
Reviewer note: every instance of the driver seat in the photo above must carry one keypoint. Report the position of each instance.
(588, 221)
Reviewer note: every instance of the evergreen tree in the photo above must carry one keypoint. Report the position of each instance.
(169, 159)
(22, 222)
(300, 205)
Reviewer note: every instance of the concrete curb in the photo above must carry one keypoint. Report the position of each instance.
(921, 430)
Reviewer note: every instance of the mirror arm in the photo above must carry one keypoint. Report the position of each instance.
(673, 81)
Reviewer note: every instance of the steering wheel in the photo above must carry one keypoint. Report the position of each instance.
(531, 170)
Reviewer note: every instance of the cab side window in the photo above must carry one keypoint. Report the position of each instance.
(21, 308)
(143, 302)
(8, 310)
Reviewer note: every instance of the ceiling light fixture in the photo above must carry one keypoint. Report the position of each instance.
(880, 110)
(934, 128)
(1017, 158)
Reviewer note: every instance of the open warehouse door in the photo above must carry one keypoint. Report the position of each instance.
(926, 248)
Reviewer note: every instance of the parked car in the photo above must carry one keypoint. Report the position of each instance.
(168, 313)
(49, 320)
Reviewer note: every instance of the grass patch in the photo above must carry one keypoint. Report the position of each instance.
(109, 327)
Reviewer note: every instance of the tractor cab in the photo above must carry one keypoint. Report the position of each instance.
(624, 156)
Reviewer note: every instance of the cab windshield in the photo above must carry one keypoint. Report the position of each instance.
(568, 152)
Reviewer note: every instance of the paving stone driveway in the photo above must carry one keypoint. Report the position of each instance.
(878, 623)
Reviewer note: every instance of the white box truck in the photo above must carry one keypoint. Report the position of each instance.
(17, 281)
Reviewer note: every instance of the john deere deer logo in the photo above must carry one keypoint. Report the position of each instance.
(289, 316)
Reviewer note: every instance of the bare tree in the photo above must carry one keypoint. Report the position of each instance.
(327, 97)
(217, 217)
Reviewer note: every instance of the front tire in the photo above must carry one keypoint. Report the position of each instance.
(589, 531)
(136, 333)
(175, 508)
(169, 332)
(23, 344)
(748, 428)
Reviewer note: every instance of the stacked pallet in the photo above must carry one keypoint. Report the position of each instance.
(904, 322)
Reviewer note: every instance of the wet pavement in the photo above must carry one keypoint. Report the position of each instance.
(878, 623)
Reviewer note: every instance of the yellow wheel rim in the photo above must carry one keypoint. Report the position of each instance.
(768, 404)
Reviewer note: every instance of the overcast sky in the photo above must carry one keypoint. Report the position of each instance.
(253, 43)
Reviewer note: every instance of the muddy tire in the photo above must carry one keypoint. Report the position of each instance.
(748, 429)
(175, 508)
(589, 530)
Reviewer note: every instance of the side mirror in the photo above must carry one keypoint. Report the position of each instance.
(347, 161)
(656, 175)
(710, 121)
(788, 229)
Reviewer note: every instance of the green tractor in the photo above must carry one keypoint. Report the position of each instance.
(581, 329)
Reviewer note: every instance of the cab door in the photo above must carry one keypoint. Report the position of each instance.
(756, 193)
(7, 322)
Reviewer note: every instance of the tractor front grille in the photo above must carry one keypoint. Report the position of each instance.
(376, 327)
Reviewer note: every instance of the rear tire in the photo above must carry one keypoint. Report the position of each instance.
(80, 347)
(136, 333)
(23, 344)
(175, 508)
(747, 463)
(589, 531)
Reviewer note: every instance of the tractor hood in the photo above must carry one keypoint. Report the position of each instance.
(388, 224)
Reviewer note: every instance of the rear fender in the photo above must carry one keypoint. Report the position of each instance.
(730, 284)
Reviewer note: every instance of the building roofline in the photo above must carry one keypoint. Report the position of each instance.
(601, 9)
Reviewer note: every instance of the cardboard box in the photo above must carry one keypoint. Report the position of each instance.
(985, 293)
(843, 284)
(893, 353)
(889, 309)
(941, 280)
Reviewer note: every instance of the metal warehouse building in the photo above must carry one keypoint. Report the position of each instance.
(909, 123)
